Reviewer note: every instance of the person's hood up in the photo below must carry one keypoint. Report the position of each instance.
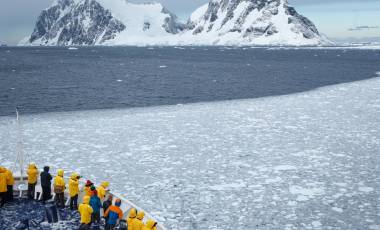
(105, 184)
(132, 213)
(74, 176)
(2, 170)
(118, 202)
(86, 199)
(140, 215)
(32, 166)
(150, 224)
(60, 172)
(46, 169)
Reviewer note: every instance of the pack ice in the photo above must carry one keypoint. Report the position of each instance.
(301, 161)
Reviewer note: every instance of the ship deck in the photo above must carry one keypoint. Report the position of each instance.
(15, 214)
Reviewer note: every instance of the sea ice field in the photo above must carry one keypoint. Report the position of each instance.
(302, 161)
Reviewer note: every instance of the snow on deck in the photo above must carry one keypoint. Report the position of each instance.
(302, 161)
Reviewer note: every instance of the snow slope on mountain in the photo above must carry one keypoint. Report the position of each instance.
(90, 22)
(252, 22)
(145, 23)
(301, 161)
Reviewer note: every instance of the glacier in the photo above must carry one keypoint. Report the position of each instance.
(220, 22)
(301, 161)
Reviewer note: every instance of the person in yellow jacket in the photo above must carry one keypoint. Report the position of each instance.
(150, 225)
(74, 190)
(10, 183)
(59, 188)
(3, 185)
(137, 223)
(85, 211)
(131, 216)
(32, 173)
(102, 189)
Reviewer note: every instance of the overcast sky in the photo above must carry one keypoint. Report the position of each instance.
(335, 18)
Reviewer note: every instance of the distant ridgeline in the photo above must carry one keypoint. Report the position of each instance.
(220, 22)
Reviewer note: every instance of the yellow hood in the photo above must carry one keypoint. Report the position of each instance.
(140, 215)
(60, 172)
(105, 184)
(150, 224)
(2, 170)
(32, 166)
(86, 199)
(132, 213)
(74, 176)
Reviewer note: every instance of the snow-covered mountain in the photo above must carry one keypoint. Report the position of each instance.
(96, 22)
(220, 22)
(259, 22)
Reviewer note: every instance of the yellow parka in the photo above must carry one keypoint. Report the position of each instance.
(10, 178)
(85, 211)
(3, 180)
(58, 180)
(131, 216)
(137, 223)
(102, 189)
(32, 173)
(74, 185)
(150, 225)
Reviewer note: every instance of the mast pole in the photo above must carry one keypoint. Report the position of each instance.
(20, 155)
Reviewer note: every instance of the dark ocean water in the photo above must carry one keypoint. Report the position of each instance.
(41, 79)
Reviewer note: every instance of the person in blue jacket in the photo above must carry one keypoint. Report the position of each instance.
(113, 215)
(96, 205)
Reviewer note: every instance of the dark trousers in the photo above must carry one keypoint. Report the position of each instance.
(3, 197)
(10, 193)
(74, 202)
(95, 217)
(85, 227)
(46, 193)
(110, 226)
(31, 190)
(60, 199)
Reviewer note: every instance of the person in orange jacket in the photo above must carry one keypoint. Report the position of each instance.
(32, 173)
(10, 183)
(113, 214)
(87, 187)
